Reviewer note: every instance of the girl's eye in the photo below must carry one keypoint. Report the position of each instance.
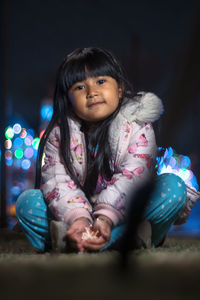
(79, 87)
(101, 81)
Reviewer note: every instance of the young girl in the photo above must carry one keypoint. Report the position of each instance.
(99, 146)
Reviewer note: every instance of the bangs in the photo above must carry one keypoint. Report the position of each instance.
(90, 64)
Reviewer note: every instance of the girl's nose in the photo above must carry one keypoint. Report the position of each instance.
(91, 91)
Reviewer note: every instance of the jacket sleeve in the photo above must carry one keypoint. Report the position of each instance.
(66, 201)
(133, 165)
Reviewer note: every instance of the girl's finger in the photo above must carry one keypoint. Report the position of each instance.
(94, 246)
(104, 231)
(106, 235)
(94, 243)
(70, 231)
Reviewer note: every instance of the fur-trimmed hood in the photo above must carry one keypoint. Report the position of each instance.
(146, 108)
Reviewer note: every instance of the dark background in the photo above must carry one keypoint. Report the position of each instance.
(150, 37)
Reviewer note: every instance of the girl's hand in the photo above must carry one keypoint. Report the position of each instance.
(103, 225)
(74, 233)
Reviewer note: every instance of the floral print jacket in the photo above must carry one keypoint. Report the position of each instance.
(133, 146)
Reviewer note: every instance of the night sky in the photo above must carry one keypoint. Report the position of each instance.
(40, 33)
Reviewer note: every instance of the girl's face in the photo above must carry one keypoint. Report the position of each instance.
(95, 98)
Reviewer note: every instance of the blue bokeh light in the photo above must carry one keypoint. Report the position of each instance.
(18, 142)
(17, 128)
(25, 164)
(46, 112)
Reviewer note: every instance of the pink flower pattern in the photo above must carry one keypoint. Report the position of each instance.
(148, 126)
(71, 184)
(49, 161)
(79, 199)
(77, 148)
(53, 195)
(132, 149)
(102, 183)
(55, 140)
(142, 142)
(130, 174)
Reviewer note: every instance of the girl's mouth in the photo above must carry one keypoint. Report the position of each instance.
(91, 105)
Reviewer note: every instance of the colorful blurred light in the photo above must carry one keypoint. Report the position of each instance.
(8, 155)
(171, 162)
(11, 209)
(31, 132)
(9, 162)
(15, 190)
(28, 152)
(35, 143)
(43, 160)
(18, 142)
(9, 133)
(41, 133)
(47, 112)
(185, 162)
(17, 128)
(28, 140)
(17, 163)
(25, 164)
(23, 133)
(8, 144)
(19, 153)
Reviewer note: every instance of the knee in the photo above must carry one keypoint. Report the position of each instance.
(175, 187)
(23, 201)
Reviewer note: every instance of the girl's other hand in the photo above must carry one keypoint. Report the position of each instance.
(103, 237)
(74, 233)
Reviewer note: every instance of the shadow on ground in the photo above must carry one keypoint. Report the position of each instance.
(171, 272)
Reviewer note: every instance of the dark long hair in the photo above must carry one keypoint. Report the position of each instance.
(97, 62)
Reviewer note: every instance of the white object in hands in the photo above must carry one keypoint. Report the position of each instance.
(89, 234)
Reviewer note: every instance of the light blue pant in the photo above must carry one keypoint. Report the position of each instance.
(162, 210)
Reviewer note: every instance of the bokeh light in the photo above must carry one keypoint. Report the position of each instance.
(9, 162)
(170, 162)
(28, 140)
(15, 190)
(11, 209)
(31, 132)
(18, 142)
(20, 156)
(41, 134)
(8, 155)
(17, 128)
(8, 144)
(28, 152)
(25, 164)
(23, 133)
(9, 133)
(35, 143)
(19, 153)
(46, 112)
(17, 163)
